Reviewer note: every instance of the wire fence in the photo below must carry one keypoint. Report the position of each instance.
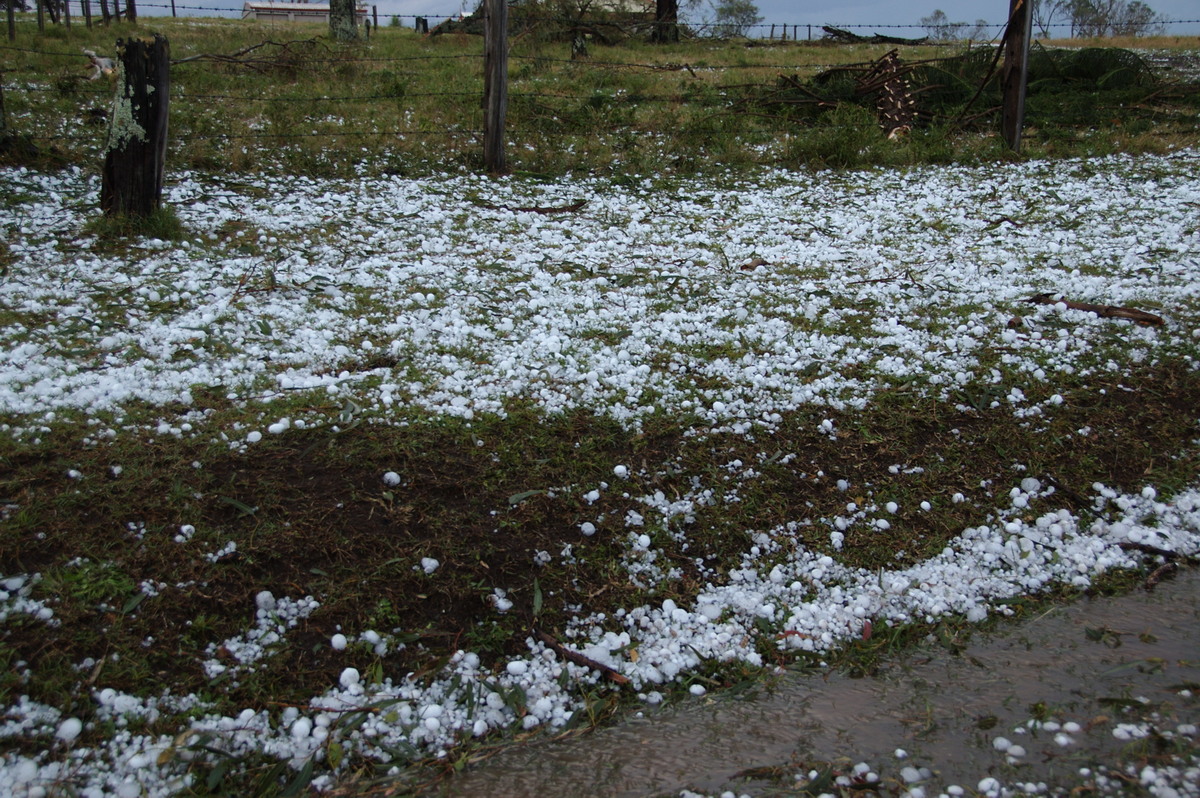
(764, 29)
(216, 109)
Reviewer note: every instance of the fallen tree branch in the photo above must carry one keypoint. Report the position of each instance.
(580, 659)
(1104, 311)
(572, 208)
(1146, 548)
(1159, 573)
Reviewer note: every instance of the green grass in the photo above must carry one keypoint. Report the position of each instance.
(406, 104)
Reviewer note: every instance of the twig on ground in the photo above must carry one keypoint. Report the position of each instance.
(580, 659)
(1104, 311)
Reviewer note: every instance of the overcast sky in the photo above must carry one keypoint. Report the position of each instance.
(798, 12)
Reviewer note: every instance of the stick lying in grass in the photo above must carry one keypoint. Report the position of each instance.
(572, 208)
(1104, 311)
(579, 659)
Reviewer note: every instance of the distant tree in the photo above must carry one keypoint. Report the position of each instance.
(1094, 18)
(343, 20)
(734, 17)
(939, 26)
(16, 5)
(1045, 12)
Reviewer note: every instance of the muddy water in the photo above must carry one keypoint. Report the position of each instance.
(1084, 662)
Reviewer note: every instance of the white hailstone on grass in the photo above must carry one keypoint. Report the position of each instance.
(718, 407)
(1015, 751)
(517, 667)
(302, 728)
(279, 426)
(69, 729)
(265, 601)
(338, 641)
(926, 506)
(74, 474)
(391, 479)
(1149, 493)
(1063, 739)
(891, 507)
(882, 524)
(900, 753)
(911, 775)
(587, 528)
(1071, 727)
(254, 437)
(958, 498)
(697, 690)
(591, 496)
(1001, 744)
(349, 678)
(621, 471)
(429, 564)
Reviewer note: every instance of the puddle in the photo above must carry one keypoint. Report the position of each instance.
(1085, 663)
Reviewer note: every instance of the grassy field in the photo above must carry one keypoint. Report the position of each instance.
(248, 97)
(449, 410)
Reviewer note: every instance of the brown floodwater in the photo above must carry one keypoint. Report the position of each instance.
(1087, 662)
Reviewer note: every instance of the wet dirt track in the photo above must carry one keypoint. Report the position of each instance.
(1088, 663)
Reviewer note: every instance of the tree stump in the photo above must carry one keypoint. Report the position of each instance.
(136, 150)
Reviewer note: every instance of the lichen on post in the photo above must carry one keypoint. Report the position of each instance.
(136, 148)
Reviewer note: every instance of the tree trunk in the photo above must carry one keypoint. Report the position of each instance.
(343, 20)
(666, 22)
(136, 149)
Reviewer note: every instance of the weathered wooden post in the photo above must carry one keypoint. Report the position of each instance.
(86, 7)
(131, 10)
(495, 83)
(136, 150)
(41, 16)
(1013, 75)
(12, 24)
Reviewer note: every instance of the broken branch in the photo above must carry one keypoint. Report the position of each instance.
(1104, 311)
(580, 659)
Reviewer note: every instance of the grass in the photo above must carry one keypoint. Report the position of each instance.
(310, 516)
(405, 104)
(126, 530)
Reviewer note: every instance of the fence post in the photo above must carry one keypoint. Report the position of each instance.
(131, 11)
(86, 7)
(1013, 74)
(495, 83)
(41, 17)
(136, 150)
(12, 24)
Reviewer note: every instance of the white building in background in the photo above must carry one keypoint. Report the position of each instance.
(292, 12)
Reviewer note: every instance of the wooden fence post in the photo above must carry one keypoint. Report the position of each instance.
(136, 150)
(1013, 75)
(495, 83)
(12, 25)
